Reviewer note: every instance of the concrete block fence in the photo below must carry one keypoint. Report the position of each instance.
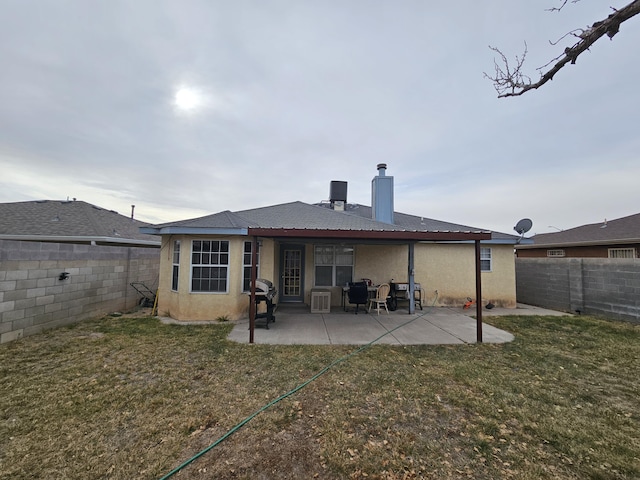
(596, 286)
(34, 298)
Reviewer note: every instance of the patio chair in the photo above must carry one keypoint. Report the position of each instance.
(380, 299)
(358, 294)
(417, 297)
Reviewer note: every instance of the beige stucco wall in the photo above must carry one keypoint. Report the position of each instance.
(188, 306)
(447, 268)
(378, 263)
(450, 269)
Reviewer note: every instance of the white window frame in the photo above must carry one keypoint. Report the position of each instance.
(622, 252)
(210, 255)
(175, 270)
(486, 255)
(333, 256)
(556, 253)
(246, 264)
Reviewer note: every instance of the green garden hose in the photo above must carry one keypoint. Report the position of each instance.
(282, 397)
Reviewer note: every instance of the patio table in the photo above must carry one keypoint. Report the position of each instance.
(372, 289)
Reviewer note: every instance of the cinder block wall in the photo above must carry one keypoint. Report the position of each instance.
(33, 298)
(598, 286)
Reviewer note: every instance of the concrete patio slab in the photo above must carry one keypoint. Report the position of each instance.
(350, 329)
(461, 327)
(295, 325)
(522, 309)
(421, 331)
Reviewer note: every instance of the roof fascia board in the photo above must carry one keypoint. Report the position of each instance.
(333, 240)
(369, 234)
(496, 241)
(77, 239)
(193, 231)
(590, 243)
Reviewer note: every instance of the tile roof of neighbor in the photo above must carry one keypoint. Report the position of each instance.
(303, 216)
(69, 220)
(620, 230)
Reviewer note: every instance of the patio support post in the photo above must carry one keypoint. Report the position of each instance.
(478, 294)
(412, 284)
(254, 276)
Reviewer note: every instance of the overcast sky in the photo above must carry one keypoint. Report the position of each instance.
(186, 108)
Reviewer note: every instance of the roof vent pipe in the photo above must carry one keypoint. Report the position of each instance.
(382, 196)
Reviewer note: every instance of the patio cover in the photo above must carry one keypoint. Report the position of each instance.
(402, 236)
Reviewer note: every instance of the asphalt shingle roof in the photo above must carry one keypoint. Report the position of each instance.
(300, 215)
(304, 216)
(55, 218)
(621, 229)
(225, 219)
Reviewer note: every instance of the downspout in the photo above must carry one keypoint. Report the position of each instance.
(252, 296)
(478, 295)
(412, 284)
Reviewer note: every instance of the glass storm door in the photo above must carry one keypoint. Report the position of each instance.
(292, 273)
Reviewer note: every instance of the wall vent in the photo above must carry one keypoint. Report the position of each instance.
(320, 301)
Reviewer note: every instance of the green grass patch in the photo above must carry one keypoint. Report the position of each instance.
(124, 398)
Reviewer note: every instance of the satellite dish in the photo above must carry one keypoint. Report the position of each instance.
(522, 227)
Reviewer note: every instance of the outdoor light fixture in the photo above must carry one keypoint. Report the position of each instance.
(63, 276)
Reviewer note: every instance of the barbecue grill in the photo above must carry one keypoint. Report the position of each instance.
(400, 291)
(267, 293)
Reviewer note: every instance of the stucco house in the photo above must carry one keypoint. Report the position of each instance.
(206, 262)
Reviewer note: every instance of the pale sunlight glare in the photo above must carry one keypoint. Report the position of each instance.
(188, 99)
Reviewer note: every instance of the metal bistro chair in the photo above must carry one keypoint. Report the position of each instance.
(380, 299)
(358, 294)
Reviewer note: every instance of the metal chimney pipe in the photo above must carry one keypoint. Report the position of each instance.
(382, 196)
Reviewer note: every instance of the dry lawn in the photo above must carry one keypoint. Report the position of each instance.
(124, 398)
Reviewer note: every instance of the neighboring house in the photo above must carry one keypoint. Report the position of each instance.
(63, 261)
(591, 269)
(619, 238)
(206, 264)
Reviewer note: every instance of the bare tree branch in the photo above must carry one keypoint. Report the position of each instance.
(564, 2)
(511, 81)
